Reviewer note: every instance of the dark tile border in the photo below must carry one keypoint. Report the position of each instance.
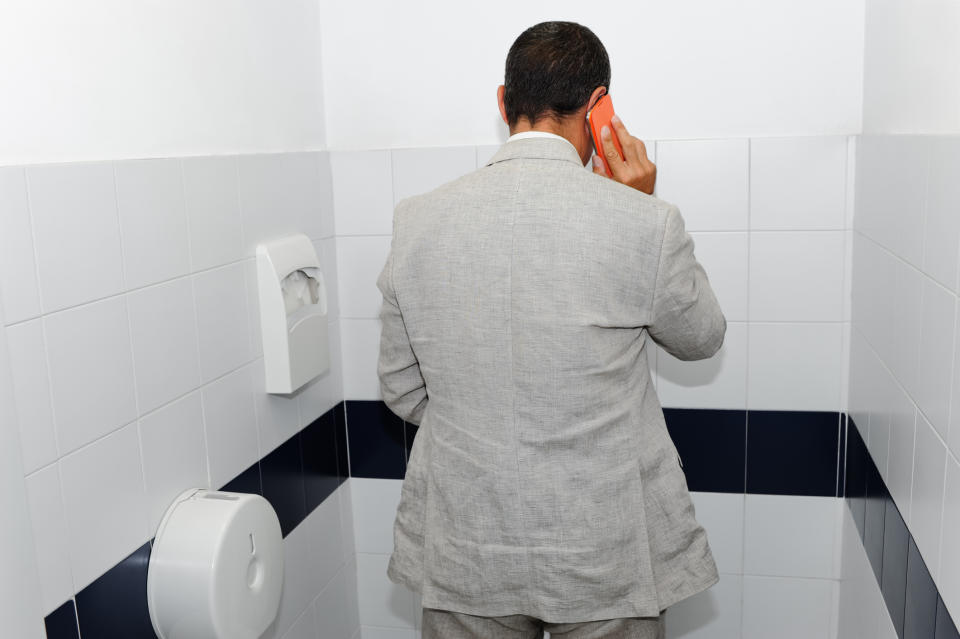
(376, 441)
(62, 622)
(295, 478)
(722, 451)
(793, 452)
(909, 593)
(115, 605)
(712, 445)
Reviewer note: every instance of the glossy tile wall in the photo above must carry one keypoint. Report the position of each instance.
(905, 365)
(133, 328)
(771, 221)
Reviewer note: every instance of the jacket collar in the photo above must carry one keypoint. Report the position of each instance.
(537, 149)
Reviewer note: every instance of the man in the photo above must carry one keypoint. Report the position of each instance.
(543, 491)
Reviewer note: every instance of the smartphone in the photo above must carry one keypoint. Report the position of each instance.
(599, 117)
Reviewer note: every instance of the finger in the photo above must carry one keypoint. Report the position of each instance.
(610, 152)
(619, 127)
(598, 167)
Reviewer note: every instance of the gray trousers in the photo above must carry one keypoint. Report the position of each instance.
(441, 624)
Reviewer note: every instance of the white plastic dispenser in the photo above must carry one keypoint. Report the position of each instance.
(216, 568)
(293, 313)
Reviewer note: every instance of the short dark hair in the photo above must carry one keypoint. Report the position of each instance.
(552, 69)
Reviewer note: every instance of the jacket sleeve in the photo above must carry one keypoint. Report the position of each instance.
(686, 319)
(401, 382)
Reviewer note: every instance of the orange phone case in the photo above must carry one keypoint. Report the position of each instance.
(599, 117)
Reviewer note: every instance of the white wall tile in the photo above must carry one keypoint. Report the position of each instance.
(346, 521)
(278, 416)
(847, 302)
(305, 627)
(891, 183)
(375, 503)
(721, 515)
(323, 529)
(851, 181)
(174, 454)
(18, 267)
(926, 508)
(904, 333)
(230, 425)
(327, 225)
(359, 263)
(361, 349)
(713, 614)
(707, 179)
(885, 628)
(211, 191)
(163, 329)
(362, 192)
(874, 276)
(935, 355)
(153, 221)
(798, 183)
(77, 233)
(485, 153)
(50, 537)
(417, 171)
(811, 381)
(858, 586)
(863, 365)
(953, 434)
(796, 276)
(373, 632)
(878, 440)
(941, 233)
(326, 391)
(724, 256)
(253, 306)
(382, 603)
(791, 536)
(883, 397)
(31, 391)
(104, 503)
(301, 580)
(327, 253)
(949, 572)
(222, 319)
(903, 425)
(280, 194)
(91, 371)
(786, 608)
(333, 606)
(718, 382)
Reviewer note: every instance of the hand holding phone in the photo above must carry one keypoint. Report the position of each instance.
(619, 155)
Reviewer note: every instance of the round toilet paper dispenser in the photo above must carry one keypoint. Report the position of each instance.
(216, 568)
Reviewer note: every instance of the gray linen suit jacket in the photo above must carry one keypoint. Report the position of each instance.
(519, 302)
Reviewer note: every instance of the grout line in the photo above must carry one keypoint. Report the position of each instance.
(746, 373)
(132, 290)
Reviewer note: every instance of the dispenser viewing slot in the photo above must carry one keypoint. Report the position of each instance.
(293, 313)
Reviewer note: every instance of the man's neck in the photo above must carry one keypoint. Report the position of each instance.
(569, 128)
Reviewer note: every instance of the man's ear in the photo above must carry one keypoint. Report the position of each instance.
(598, 93)
(503, 109)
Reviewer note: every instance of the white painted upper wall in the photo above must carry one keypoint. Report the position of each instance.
(108, 79)
(424, 73)
(912, 67)
(104, 79)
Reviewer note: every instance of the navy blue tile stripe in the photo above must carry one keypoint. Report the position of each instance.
(729, 451)
(909, 593)
(295, 478)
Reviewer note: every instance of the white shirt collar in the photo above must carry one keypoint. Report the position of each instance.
(526, 135)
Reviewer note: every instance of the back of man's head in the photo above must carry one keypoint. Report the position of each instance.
(552, 69)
